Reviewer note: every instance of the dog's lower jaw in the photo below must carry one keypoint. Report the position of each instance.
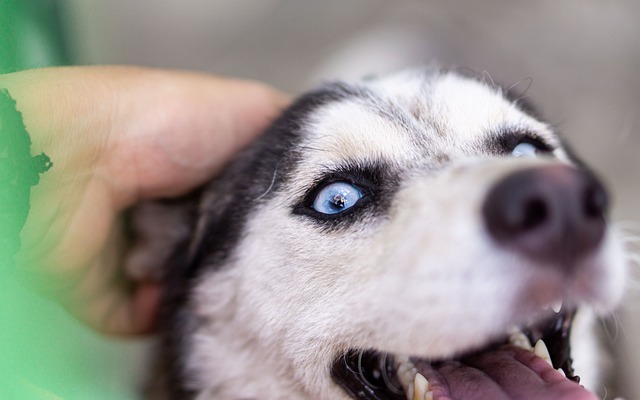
(230, 372)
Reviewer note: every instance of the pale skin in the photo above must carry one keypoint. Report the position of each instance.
(118, 136)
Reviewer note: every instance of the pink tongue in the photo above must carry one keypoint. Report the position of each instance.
(505, 374)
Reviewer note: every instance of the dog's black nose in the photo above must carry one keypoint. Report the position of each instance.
(554, 214)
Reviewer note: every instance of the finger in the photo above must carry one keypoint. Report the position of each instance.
(102, 295)
(144, 305)
(121, 311)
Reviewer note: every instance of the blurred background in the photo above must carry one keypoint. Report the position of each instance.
(581, 59)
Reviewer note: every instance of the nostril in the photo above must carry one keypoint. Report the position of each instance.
(595, 201)
(518, 206)
(536, 212)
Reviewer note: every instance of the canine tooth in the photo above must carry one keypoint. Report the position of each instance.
(409, 392)
(556, 306)
(428, 395)
(562, 372)
(541, 351)
(521, 340)
(420, 387)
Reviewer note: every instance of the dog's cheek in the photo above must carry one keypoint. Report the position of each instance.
(589, 358)
(391, 282)
(610, 267)
(292, 266)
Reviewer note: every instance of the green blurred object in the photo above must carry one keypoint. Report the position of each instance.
(31, 35)
(45, 354)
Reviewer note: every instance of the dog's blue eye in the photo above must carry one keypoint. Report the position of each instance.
(525, 149)
(336, 198)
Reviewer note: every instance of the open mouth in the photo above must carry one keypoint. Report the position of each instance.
(510, 368)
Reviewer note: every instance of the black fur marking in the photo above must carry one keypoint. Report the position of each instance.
(503, 142)
(225, 206)
(377, 184)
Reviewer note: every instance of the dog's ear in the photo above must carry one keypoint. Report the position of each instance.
(157, 229)
(171, 238)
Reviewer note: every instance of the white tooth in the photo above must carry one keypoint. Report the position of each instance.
(428, 395)
(409, 392)
(541, 350)
(562, 372)
(406, 372)
(556, 306)
(521, 340)
(420, 387)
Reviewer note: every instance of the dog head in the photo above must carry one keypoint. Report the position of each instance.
(379, 226)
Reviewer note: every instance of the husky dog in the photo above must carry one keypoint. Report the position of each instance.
(418, 235)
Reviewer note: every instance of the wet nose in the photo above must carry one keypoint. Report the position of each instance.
(554, 214)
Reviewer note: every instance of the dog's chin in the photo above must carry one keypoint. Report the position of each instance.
(530, 363)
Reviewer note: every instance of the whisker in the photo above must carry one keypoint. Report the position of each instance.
(361, 371)
(385, 376)
(273, 180)
(485, 74)
(628, 225)
(607, 323)
(346, 362)
(526, 89)
(633, 238)
(633, 257)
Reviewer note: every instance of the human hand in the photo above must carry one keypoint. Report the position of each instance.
(117, 136)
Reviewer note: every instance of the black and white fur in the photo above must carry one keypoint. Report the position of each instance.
(263, 294)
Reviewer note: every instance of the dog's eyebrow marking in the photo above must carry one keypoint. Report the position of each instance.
(383, 107)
